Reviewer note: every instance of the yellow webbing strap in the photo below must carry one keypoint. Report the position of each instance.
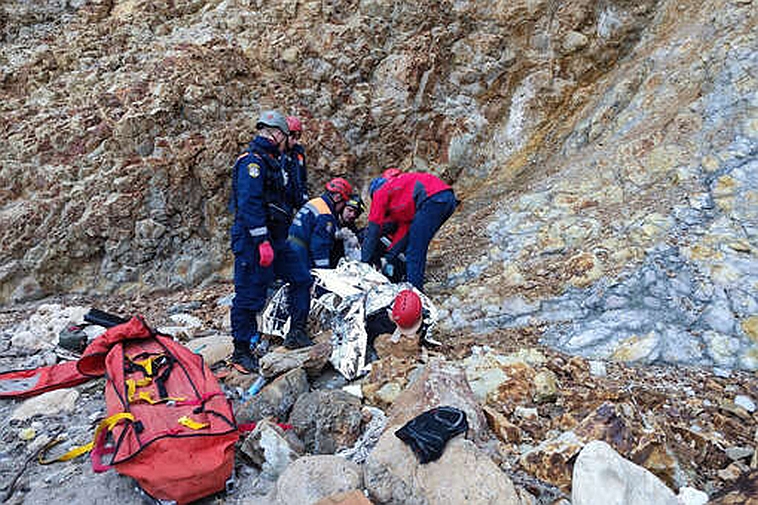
(192, 424)
(106, 424)
(146, 397)
(132, 385)
(147, 363)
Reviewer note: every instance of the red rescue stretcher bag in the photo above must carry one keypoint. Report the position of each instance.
(168, 424)
(27, 383)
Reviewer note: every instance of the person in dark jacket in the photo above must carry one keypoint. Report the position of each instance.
(293, 162)
(312, 232)
(259, 242)
(418, 203)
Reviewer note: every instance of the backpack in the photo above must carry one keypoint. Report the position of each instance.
(168, 424)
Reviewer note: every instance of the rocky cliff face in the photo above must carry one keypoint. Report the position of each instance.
(605, 151)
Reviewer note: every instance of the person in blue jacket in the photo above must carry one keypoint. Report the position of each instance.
(259, 242)
(293, 162)
(312, 232)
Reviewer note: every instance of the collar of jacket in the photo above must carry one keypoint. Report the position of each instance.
(327, 197)
(262, 144)
(298, 149)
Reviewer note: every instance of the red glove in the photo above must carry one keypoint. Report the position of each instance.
(266, 254)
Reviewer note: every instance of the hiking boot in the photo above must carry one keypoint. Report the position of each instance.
(297, 339)
(243, 359)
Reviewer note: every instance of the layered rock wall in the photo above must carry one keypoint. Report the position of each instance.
(123, 118)
(605, 151)
(634, 236)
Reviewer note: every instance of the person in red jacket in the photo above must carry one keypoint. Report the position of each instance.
(418, 203)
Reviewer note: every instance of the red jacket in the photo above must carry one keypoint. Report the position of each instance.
(397, 200)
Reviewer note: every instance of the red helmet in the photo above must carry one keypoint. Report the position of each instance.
(294, 124)
(406, 311)
(389, 173)
(340, 186)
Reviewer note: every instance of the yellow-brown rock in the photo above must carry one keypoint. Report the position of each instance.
(406, 346)
(501, 426)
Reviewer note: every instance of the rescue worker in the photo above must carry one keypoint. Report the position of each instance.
(405, 315)
(312, 232)
(348, 238)
(259, 242)
(407, 312)
(418, 203)
(389, 255)
(293, 162)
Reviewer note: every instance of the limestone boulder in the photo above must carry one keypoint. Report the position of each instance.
(269, 448)
(313, 478)
(47, 404)
(214, 349)
(354, 497)
(440, 383)
(602, 477)
(393, 475)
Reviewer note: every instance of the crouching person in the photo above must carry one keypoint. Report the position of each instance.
(312, 233)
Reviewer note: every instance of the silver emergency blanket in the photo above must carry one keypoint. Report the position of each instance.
(341, 300)
(362, 448)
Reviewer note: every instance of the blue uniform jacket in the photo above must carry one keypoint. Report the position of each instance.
(258, 196)
(296, 175)
(313, 229)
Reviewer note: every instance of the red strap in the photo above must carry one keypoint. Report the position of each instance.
(248, 427)
(199, 401)
(98, 451)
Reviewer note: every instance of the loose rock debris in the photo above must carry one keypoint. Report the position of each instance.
(688, 426)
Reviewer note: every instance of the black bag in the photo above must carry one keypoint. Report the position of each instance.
(428, 433)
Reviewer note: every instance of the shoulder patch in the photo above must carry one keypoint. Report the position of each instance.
(254, 170)
(329, 226)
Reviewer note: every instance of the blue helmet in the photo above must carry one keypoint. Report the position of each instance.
(376, 184)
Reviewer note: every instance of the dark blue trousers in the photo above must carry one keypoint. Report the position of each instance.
(251, 283)
(430, 215)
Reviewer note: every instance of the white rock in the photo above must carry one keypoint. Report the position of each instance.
(745, 402)
(213, 349)
(51, 403)
(353, 389)
(186, 320)
(525, 412)
(692, 496)
(29, 340)
(269, 449)
(602, 477)
(724, 373)
(597, 369)
(574, 41)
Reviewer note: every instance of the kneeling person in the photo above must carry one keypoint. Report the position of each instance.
(312, 231)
